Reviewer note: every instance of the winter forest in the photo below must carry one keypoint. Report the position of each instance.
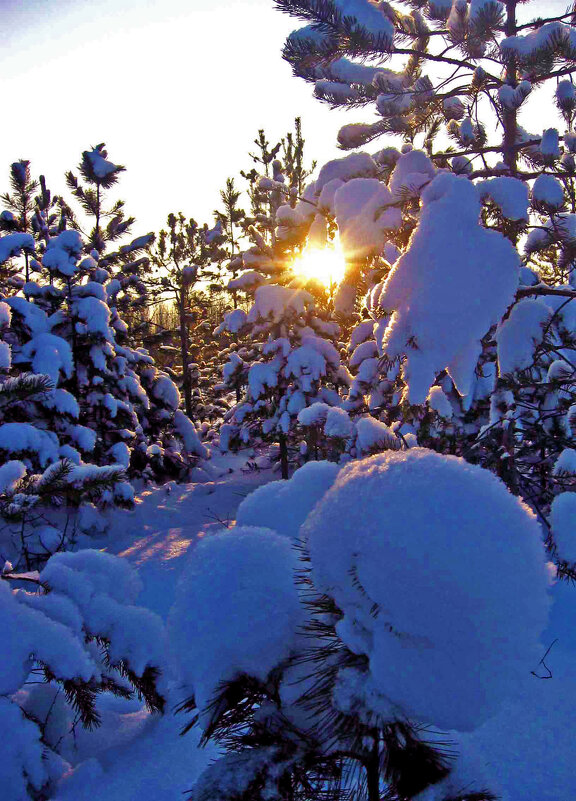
(288, 495)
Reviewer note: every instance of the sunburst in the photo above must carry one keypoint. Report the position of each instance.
(326, 265)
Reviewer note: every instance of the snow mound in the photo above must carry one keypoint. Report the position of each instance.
(441, 578)
(284, 505)
(236, 611)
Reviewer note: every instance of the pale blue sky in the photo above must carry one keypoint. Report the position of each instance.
(177, 89)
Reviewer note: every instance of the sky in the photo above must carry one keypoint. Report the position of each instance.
(176, 89)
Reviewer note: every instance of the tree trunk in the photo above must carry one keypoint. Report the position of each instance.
(509, 116)
(284, 455)
(186, 384)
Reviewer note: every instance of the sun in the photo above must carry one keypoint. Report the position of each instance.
(326, 265)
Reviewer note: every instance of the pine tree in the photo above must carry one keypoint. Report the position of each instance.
(105, 403)
(73, 635)
(182, 259)
(361, 687)
(458, 84)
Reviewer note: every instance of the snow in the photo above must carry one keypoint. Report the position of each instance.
(563, 522)
(235, 584)
(521, 753)
(101, 167)
(374, 436)
(356, 165)
(234, 320)
(424, 519)
(314, 415)
(338, 424)
(14, 244)
(362, 332)
(34, 318)
(120, 453)
(10, 474)
(548, 191)
(185, 427)
(5, 315)
(284, 505)
(20, 439)
(273, 302)
(63, 252)
(21, 754)
(454, 282)
(519, 335)
(63, 402)
(103, 588)
(91, 521)
(165, 390)
(82, 436)
(439, 520)
(412, 171)
(246, 281)
(95, 315)
(566, 463)
(512, 97)
(307, 365)
(438, 401)
(509, 194)
(552, 36)
(262, 377)
(366, 350)
(362, 216)
(5, 356)
(159, 764)
(549, 145)
(49, 354)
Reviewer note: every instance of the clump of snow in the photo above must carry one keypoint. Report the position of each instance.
(453, 283)
(566, 463)
(364, 214)
(272, 302)
(10, 474)
(91, 520)
(338, 424)
(548, 191)
(374, 436)
(63, 252)
(509, 194)
(438, 401)
(284, 505)
(475, 555)
(519, 335)
(14, 244)
(165, 389)
(21, 754)
(185, 427)
(512, 97)
(563, 522)
(313, 415)
(49, 354)
(100, 165)
(236, 611)
(24, 438)
(247, 280)
(356, 165)
(412, 171)
(550, 145)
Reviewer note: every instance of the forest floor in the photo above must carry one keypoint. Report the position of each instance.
(135, 755)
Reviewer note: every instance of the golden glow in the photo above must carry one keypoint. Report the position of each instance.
(326, 265)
